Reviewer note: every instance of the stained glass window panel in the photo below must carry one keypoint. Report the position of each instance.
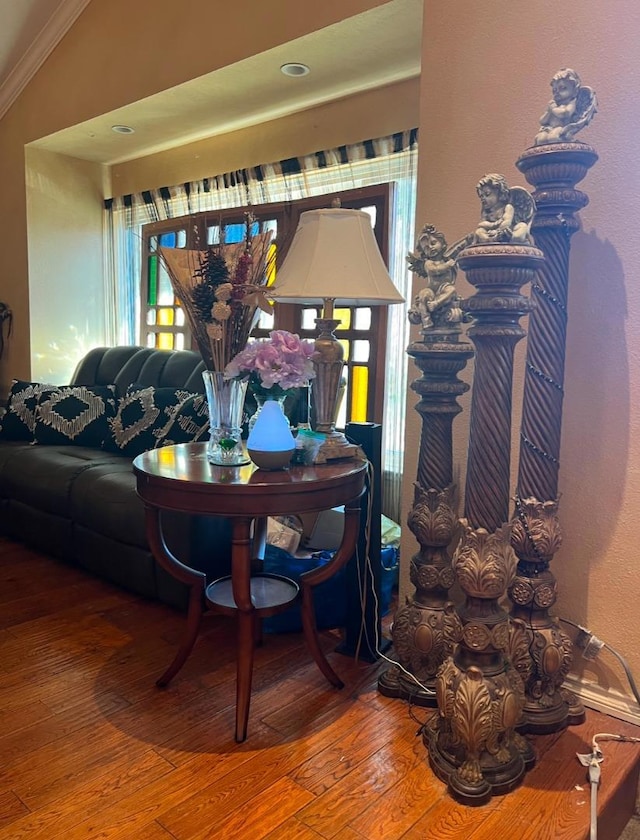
(168, 240)
(152, 285)
(165, 317)
(361, 351)
(344, 316)
(309, 319)
(362, 318)
(359, 393)
(165, 290)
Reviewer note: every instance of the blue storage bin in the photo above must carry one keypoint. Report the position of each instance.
(330, 597)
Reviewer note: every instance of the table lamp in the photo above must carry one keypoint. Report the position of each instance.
(334, 260)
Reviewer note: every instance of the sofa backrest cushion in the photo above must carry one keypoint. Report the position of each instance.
(145, 366)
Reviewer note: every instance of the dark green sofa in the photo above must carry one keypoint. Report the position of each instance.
(79, 503)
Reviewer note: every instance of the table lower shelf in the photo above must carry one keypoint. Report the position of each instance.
(270, 594)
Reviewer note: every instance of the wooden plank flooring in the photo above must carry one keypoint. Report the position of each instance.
(90, 748)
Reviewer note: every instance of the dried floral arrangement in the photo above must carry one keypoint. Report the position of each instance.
(221, 289)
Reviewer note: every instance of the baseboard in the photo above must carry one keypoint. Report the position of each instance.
(607, 701)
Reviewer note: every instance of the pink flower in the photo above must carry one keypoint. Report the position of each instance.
(284, 359)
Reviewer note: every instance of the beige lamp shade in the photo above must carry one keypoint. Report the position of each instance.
(334, 255)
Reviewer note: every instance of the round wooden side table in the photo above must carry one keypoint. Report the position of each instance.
(179, 478)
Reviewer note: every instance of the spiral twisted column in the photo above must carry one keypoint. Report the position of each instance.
(473, 744)
(498, 272)
(553, 170)
(426, 628)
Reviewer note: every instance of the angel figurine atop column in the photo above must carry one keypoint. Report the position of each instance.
(572, 108)
(437, 304)
(507, 212)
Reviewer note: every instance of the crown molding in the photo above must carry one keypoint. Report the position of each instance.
(43, 44)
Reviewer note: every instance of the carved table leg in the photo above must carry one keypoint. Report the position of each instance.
(195, 580)
(315, 576)
(246, 617)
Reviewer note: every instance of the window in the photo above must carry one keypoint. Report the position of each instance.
(362, 331)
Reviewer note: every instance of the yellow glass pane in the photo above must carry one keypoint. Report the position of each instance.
(344, 316)
(346, 348)
(165, 317)
(271, 264)
(359, 393)
(165, 341)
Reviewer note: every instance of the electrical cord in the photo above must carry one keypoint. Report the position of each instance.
(592, 761)
(362, 585)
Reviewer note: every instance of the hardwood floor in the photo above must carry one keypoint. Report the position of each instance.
(90, 748)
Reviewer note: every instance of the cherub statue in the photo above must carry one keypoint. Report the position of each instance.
(437, 304)
(507, 213)
(572, 108)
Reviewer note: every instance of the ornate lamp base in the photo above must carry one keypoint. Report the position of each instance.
(334, 447)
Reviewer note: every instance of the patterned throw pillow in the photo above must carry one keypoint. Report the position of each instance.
(143, 416)
(191, 422)
(19, 420)
(74, 415)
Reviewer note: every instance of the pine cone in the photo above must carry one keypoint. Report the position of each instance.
(213, 268)
(203, 298)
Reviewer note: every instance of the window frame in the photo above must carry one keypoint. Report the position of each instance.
(289, 316)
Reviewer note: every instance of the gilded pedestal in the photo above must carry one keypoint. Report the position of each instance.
(473, 744)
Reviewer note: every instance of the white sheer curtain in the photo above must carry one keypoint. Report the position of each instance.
(390, 159)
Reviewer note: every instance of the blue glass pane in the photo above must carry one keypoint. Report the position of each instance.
(168, 240)
(236, 233)
(233, 233)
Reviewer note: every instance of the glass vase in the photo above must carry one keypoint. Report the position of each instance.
(225, 398)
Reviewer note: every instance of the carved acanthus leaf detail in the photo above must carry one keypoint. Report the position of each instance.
(472, 710)
(432, 518)
(485, 563)
(536, 530)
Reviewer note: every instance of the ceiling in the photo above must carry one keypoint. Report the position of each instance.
(376, 48)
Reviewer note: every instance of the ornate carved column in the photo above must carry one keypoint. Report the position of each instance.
(426, 627)
(553, 169)
(473, 745)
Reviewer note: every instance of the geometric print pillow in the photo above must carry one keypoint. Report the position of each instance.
(19, 420)
(143, 416)
(191, 422)
(74, 415)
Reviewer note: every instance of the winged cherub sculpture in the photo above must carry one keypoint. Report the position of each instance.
(507, 212)
(572, 108)
(437, 304)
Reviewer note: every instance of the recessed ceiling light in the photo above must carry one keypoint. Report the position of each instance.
(294, 68)
(122, 129)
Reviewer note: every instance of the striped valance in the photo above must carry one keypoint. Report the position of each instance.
(253, 185)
